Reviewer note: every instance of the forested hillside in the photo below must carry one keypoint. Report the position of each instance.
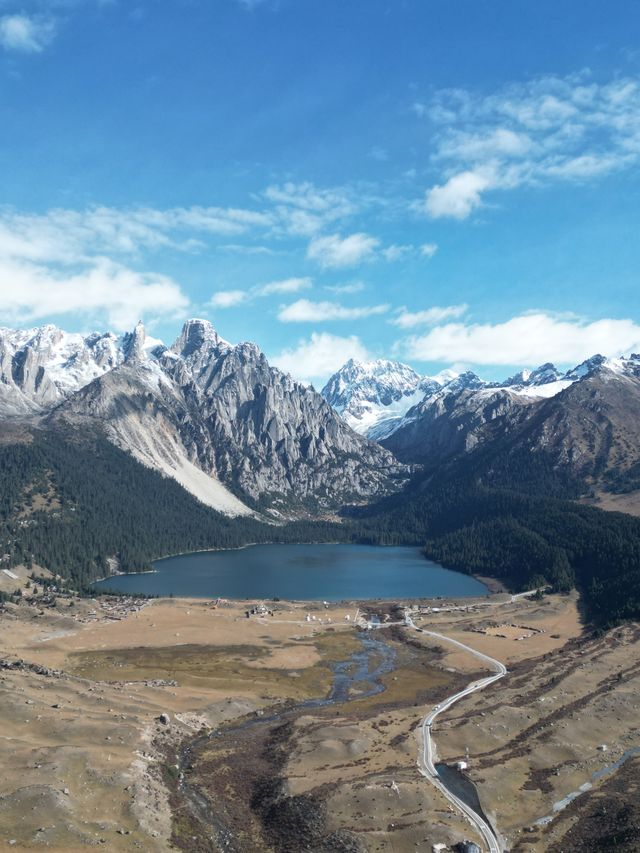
(99, 502)
(70, 500)
(524, 540)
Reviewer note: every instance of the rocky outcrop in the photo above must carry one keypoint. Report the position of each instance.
(206, 408)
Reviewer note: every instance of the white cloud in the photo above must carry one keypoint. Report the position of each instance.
(241, 249)
(228, 298)
(408, 320)
(233, 298)
(428, 250)
(334, 251)
(287, 285)
(350, 287)
(307, 196)
(458, 196)
(395, 252)
(320, 356)
(30, 292)
(302, 209)
(24, 33)
(482, 146)
(545, 130)
(71, 236)
(305, 311)
(526, 340)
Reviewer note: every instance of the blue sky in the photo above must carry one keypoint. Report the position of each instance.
(447, 182)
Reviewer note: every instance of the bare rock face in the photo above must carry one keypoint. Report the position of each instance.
(451, 422)
(222, 410)
(41, 367)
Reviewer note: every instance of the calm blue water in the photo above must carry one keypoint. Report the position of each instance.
(300, 572)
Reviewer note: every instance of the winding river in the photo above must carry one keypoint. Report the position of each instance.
(363, 670)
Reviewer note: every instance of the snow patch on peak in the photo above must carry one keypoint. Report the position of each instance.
(586, 367)
(374, 396)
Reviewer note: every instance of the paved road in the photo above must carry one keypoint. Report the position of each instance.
(426, 764)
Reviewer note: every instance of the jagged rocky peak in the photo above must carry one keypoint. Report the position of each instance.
(373, 396)
(196, 335)
(467, 379)
(133, 344)
(41, 366)
(206, 411)
(542, 375)
(586, 367)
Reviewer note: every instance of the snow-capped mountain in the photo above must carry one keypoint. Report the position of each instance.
(586, 421)
(374, 396)
(41, 367)
(215, 417)
(238, 433)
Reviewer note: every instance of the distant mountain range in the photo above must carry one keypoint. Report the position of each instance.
(116, 450)
(378, 397)
(583, 424)
(245, 438)
(238, 434)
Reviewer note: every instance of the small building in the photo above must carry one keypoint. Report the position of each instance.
(438, 848)
(462, 765)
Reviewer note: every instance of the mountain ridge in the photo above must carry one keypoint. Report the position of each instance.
(239, 434)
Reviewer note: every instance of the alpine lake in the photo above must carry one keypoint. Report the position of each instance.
(308, 572)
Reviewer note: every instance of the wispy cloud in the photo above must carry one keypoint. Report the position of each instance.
(241, 249)
(333, 251)
(228, 298)
(428, 250)
(408, 320)
(349, 287)
(71, 236)
(397, 251)
(305, 311)
(317, 357)
(303, 209)
(547, 130)
(24, 33)
(287, 285)
(233, 298)
(526, 340)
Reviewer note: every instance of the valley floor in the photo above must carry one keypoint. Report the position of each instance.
(87, 761)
